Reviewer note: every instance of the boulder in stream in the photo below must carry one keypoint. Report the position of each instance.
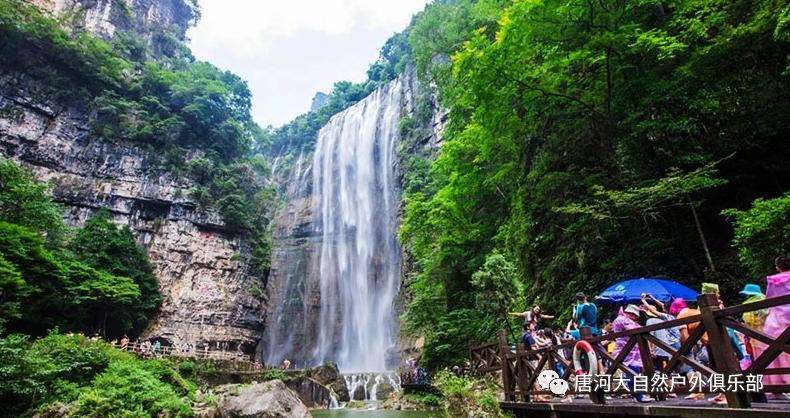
(262, 400)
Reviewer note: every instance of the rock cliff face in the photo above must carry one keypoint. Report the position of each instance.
(209, 298)
(105, 18)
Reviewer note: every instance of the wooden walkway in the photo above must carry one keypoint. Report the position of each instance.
(671, 408)
(148, 351)
(519, 375)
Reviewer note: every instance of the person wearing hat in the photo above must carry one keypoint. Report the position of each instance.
(714, 289)
(778, 320)
(754, 319)
(633, 360)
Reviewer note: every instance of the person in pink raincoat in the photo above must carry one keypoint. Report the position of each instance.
(778, 318)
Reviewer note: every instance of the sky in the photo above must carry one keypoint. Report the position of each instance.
(288, 50)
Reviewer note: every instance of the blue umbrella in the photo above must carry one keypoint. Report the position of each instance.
(630, 291)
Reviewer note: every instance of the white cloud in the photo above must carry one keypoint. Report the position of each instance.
(255, 23)
(289, 50)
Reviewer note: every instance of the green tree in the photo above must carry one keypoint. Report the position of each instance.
(761, 233)
(128, 390)
(42, 291)
(498, 290)
(41, 375)
(26, 202)
(581, 141)
(10, 283)
(102, 292)
(106, 247)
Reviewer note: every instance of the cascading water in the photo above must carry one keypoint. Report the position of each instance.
(365, 386)
(354, 178)
(336, 257)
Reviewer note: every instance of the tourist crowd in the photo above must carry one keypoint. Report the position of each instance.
(773, 322)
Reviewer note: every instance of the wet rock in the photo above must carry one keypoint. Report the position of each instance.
(264, 400)
(329, 375)
(312, 393)
(359, 394)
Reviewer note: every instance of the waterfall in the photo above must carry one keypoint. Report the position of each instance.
(355, 184)
(365, 386)
(336, 257)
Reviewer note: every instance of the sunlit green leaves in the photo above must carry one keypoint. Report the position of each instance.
(761, 233)
(583, 137)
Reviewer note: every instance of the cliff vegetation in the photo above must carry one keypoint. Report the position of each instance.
(590, 142)
(170, 104)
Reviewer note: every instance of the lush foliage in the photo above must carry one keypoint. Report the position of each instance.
(761, 232)
(165, 103)
(590, 142)
(28, 203)
(424, 398)
(101, 380)
(129, 291)
(467, 396)
(99, 280)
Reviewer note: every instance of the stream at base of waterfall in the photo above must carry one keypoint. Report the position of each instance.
(375, 413)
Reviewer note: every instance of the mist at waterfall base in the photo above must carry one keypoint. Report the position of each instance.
(339, 297)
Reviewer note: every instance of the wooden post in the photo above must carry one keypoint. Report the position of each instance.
(596, 396)
(648, 368)
(721, 349)
(471, 357)
(507, 377)
(522, 372)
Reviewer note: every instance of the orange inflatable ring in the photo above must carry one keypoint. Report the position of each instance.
(592, 360)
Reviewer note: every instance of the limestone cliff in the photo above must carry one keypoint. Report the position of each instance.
(145, 19)
(209, 297)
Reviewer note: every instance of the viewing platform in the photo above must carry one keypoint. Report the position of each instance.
(743, 392)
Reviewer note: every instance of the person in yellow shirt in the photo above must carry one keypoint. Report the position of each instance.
(754, 319)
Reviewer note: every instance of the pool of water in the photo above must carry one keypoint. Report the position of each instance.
(371, 413)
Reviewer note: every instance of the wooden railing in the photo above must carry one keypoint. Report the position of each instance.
(519, 375)
(150, 351)
(485, 358)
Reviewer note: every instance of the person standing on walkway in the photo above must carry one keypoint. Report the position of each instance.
(633, 359)
(778, 318)
(671, 336)
(586, 313)
(533, 315)
(754, 319)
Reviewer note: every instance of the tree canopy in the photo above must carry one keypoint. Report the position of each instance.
(94, 279)
(592, 141)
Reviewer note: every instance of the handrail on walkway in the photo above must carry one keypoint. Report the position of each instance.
(519, 375)
(150, 351)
